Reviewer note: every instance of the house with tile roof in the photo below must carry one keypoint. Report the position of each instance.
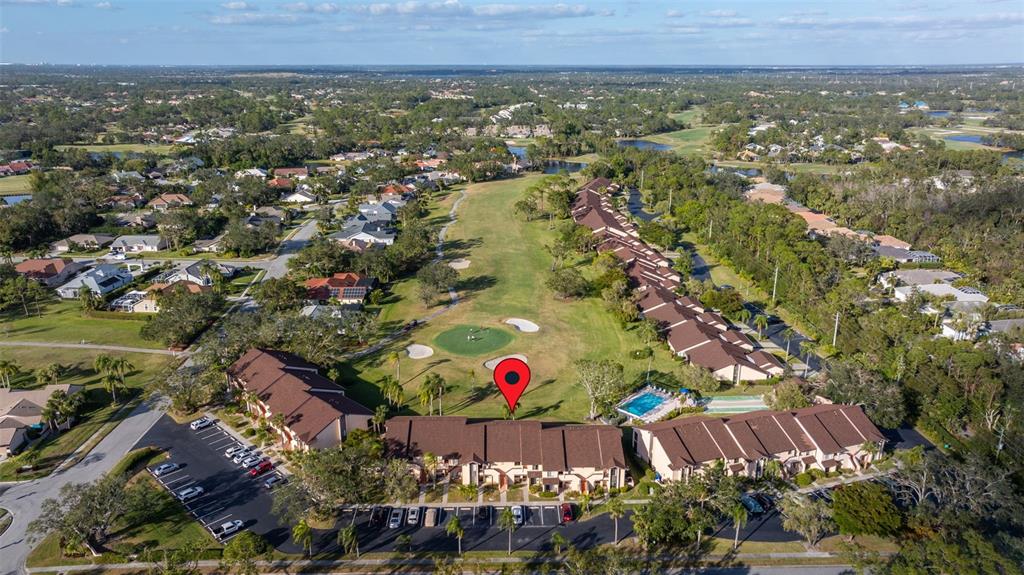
(343, 287)
(556, 457)
(21, 409)
(49, 271)
(827, 437)
(316, 412)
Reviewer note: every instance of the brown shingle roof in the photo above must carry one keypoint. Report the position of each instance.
(290, 385)
(556, 447)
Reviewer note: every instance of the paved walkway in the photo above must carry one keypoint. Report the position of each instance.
(93, 346)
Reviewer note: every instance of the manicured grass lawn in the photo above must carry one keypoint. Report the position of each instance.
(63, 322)
(692, 117)
(168, 526)
(472, 340)
(15, 185)
(161, 149)
(690, 141)
(97, 414)
(241, 281)
(509, 265)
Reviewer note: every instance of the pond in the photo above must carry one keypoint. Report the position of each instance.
(746, 173)
(518, 151)
(940, 113)
(644, 145)
(11, 200)
(555, 166)
(972, 138)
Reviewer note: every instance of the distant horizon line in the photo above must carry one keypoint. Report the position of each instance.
(525, 66)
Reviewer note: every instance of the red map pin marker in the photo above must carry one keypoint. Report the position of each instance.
(512, 375)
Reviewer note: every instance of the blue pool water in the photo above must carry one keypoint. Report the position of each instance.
(642, 404)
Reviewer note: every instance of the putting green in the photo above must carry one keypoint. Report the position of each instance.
(472, 339)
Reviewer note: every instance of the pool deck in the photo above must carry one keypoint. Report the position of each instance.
(668, 404)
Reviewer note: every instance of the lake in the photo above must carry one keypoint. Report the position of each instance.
(518, 151)
(746, 173)
(11, 200)
(555, 166)
(972, 138)
(644, 145)
(940, 113)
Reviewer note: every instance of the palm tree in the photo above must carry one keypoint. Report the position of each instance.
(761, 321)
(788, 334)
(209, 269)
(559, 543)
(380, 415)
(616, 511)
(89, 300)
(392, 390)
(396, 358)
(8, 369)
(277, 420)
(48, 375)
(437, 386)
(426, 399)
(585, 503)
(120, 367)
(430, 464)
(507, 522)
(348, 538)
(743, 316)
(102, 363)
(303, 535)
(456, 530)
(111, 384)
(739, 519)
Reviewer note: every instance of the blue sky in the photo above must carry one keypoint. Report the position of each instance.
(587, 32)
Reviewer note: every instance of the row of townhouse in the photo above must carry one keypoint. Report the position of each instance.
(698, 335)
(309, 411)
(828, 437)
(554, 457)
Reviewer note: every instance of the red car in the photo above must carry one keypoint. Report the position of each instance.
(261, 468)
(566, 512)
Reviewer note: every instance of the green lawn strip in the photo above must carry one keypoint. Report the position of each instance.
(16, 185)
(169, 526)
(63, 322)
(509, 265)
(160, 149)
(98, 417)
(688, 141)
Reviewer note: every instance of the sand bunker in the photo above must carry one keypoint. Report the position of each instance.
(417, 351)
(492, 363)
(523, 325)
(459, 264)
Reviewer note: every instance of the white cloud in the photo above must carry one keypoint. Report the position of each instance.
(253, 18)
(4, 30)
(318, 7)
(913, 22)
(720, 13)
(675, 14)
(728, 23)
(65, 2)
(238, 6)
(104, 5)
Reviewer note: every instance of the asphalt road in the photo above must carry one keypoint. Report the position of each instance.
(278, 267)
(24, 499)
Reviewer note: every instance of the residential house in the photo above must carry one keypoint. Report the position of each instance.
(314, 410)
(212, 245)
(970, 326)
(198, 273)
(138, 244)
(279, 216)
(100, 280)
(356, 229)
(960, 295)
(49, 271)
(378, 212)
(556, 457)
(905, 256)
(826, 437)
(83, 242)
(144, 221)
(297, 173)
(251, 173)
(298, 197)
(124, 201)
(165, 202)
(22, 409)
(280, 184)
(916, 277)
(150, 302)
(345, 288)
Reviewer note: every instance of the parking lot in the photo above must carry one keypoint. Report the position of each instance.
(229, 493)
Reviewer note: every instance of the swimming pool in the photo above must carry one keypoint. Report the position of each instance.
(642, 404)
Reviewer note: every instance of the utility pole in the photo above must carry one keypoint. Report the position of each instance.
(711, 224)
(670, 201)
(775, 283)
(835, 332)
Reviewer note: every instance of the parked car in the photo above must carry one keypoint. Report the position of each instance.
(227, 528)
(395, 519)
(483, 513)
(165, 468)
(251, 461)
(189, 493)
(517, 514)
(233, 451)
(242, 455)
(566, 512)
(767, 503)
(753, 507)
(261, 468)
(377, 516)
(430, 517)
(414, 516)
(274, 481)
(201, 423)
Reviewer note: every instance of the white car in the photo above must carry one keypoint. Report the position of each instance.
(201, 423)
(251, 461)
(165, 468)
(244, 454)
(414, 516)
(517, 514)
(233, 451)
(227, 528)
(189, 493)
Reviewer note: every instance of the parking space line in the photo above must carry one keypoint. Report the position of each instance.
(232, 536)
(216, 441)
(215, 521)
(209, 513)
(166, 475)
(181, 486)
